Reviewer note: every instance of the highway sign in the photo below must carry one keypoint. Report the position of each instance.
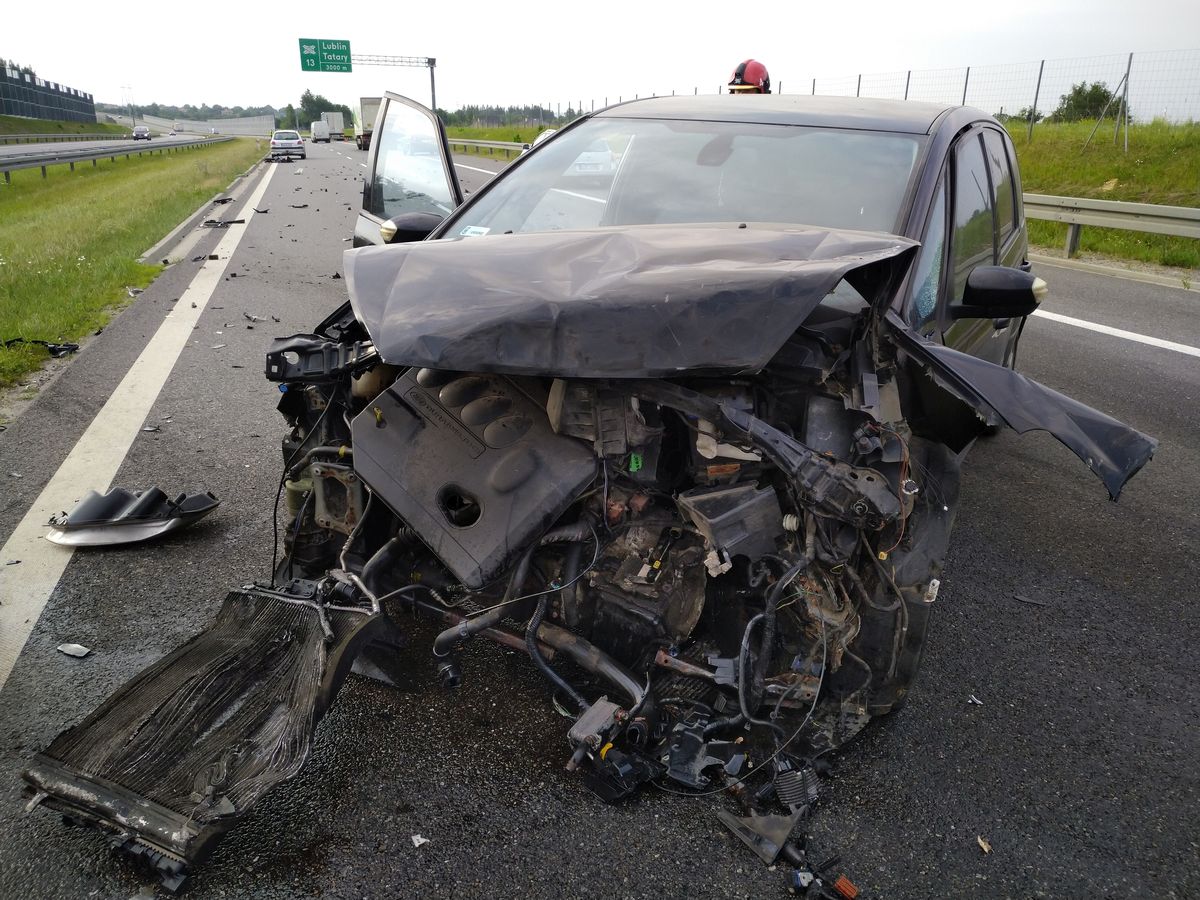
(324, 56)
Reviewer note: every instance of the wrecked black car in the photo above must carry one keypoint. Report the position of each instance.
(689, 436)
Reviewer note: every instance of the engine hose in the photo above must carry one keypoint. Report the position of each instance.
(717, 725)
(535, 653)
(468, 628)
(588, 656)
(767, 648)
(743, 704)
(382, 559)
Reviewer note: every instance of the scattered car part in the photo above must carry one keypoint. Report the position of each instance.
(125, 517)
(56, 351)
(76, 650)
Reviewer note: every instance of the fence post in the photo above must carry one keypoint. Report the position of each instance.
(1033, 109)
(966, 81)
(814, 87)
(907, 79)
(858, 89)
(1073, 232)
(1124, 107)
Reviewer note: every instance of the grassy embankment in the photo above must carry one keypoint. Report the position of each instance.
(21, 125)
(1162, 166)
(69, 243)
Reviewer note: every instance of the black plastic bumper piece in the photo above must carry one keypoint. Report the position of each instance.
(180, 753)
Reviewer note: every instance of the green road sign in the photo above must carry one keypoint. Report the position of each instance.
(324, 56)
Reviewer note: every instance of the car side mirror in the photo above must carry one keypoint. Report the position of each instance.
(999, 292)
(408, 227)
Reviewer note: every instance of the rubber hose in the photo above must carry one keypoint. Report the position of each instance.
(535, 653)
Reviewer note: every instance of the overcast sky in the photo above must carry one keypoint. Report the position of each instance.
(526, 51)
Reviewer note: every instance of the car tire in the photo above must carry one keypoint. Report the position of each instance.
(302, 156)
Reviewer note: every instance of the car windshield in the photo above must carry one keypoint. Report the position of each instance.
(677, 172)
(286, 136)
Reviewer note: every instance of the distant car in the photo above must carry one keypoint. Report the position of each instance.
(141, 133)
(213, 131)
(172, 134)
(597, 161)
(542, 136)
(287, 144)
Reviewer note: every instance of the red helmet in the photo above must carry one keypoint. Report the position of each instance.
(750, 77)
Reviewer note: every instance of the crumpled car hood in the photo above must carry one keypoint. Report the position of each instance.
(648, 301)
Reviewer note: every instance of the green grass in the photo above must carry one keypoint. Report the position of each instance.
(21, 125)
(69, 243)
(1162, 166)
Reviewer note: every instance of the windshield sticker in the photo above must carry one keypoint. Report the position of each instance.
(474, 231)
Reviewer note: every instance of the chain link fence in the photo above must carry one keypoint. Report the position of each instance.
(1162, 85)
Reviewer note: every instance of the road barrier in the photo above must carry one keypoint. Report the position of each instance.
(1178, 221)
(491, 146)
(45, 138)
(10, 164)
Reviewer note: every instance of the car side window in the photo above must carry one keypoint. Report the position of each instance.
(973, 242)
(1002, 184)
(927, 277)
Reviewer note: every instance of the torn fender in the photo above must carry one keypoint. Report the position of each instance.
(1111, 449)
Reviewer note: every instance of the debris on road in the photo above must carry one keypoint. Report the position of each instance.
(154, 429)
(419, 841)
(218, 346)
(299, 206)
(13, 562)
(221, 200)
(56, 351)
(974, 701)
(77, 650)
(336, 276)
(126, 517)
(262, 211)
(1030, 600)
(253, 318)
(222, 223)
(133, 291)
(14, 475)
(983, 845)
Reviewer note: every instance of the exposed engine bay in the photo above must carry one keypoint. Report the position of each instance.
(721, 573)
(712, 557)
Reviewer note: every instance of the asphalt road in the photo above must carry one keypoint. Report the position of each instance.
(1079, 768)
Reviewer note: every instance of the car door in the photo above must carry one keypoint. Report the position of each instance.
(409, 173)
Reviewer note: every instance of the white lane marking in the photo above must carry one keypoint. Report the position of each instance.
(580, 196)
(93, 462)
(477, 169)
(1118, 332)
(364, 165)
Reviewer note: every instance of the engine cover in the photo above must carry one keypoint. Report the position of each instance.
(471, 464)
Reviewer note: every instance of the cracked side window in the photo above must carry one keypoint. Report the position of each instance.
(927, 281)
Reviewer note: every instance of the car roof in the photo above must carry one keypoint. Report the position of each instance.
(907, 116)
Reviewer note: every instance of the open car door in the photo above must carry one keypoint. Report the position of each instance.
(410, 184)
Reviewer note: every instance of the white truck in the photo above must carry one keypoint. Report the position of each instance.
(364, 121)
(336, 123)
(318, 132)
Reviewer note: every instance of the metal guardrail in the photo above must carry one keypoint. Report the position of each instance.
(491, 146)
(9, 164)
(43, 138)
(1179, 221)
